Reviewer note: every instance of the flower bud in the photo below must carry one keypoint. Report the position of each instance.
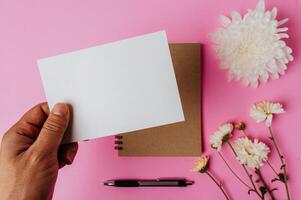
(201, 165)
(240, 126)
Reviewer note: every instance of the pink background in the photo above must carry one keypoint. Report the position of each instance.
(34, 29)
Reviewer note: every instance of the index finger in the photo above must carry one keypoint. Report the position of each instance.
(27, 129)
(37, 115)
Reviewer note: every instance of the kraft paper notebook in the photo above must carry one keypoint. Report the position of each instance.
(179, 139)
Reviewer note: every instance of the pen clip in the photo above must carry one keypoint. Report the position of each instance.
(171, 179)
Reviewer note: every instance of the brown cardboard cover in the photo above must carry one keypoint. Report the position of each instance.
(178, 139)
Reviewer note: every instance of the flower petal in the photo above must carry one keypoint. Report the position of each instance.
(254, 83)
(282, 29)
(274, 13)
(260, 6)
(225, 20)
(236, 16)
(245, 81)
(282, 22)
(275, 76)
(277, 108)
(288, 55)
(283, 35)
(257, 115)
(264, 76)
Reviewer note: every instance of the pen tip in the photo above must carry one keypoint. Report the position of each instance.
(109, 183)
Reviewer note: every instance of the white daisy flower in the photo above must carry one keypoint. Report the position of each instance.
(201, 165)
(264, 110)
(222, 135)
(250, 47)
(251, 154)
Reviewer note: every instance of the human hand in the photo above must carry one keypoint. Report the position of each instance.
(31, 154)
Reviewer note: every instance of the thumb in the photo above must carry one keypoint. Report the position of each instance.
(53, 129)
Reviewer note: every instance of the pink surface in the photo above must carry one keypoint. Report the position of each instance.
(34, 29)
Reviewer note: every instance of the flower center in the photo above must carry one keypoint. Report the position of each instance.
(251, 49)
(250, 151)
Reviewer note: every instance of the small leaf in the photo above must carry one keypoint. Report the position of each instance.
(250, 190)
(275, 179)
(263, 190)
(281, 177)
(282, 166)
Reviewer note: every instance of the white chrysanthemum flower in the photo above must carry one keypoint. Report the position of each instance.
(250, 47)
(201, 165)
(264, 110)
(251, 154)
(222, 135)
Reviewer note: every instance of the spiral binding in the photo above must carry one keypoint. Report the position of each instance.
(118, 142)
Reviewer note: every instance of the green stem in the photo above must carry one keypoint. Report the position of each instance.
(233, 171)
(283, 164)
(218, 184)
(248, 174)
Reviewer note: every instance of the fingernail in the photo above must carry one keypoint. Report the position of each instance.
(60, 109)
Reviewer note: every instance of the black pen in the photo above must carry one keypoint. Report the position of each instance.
(149, 183)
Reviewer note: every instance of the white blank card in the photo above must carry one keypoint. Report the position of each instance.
(115, 88)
